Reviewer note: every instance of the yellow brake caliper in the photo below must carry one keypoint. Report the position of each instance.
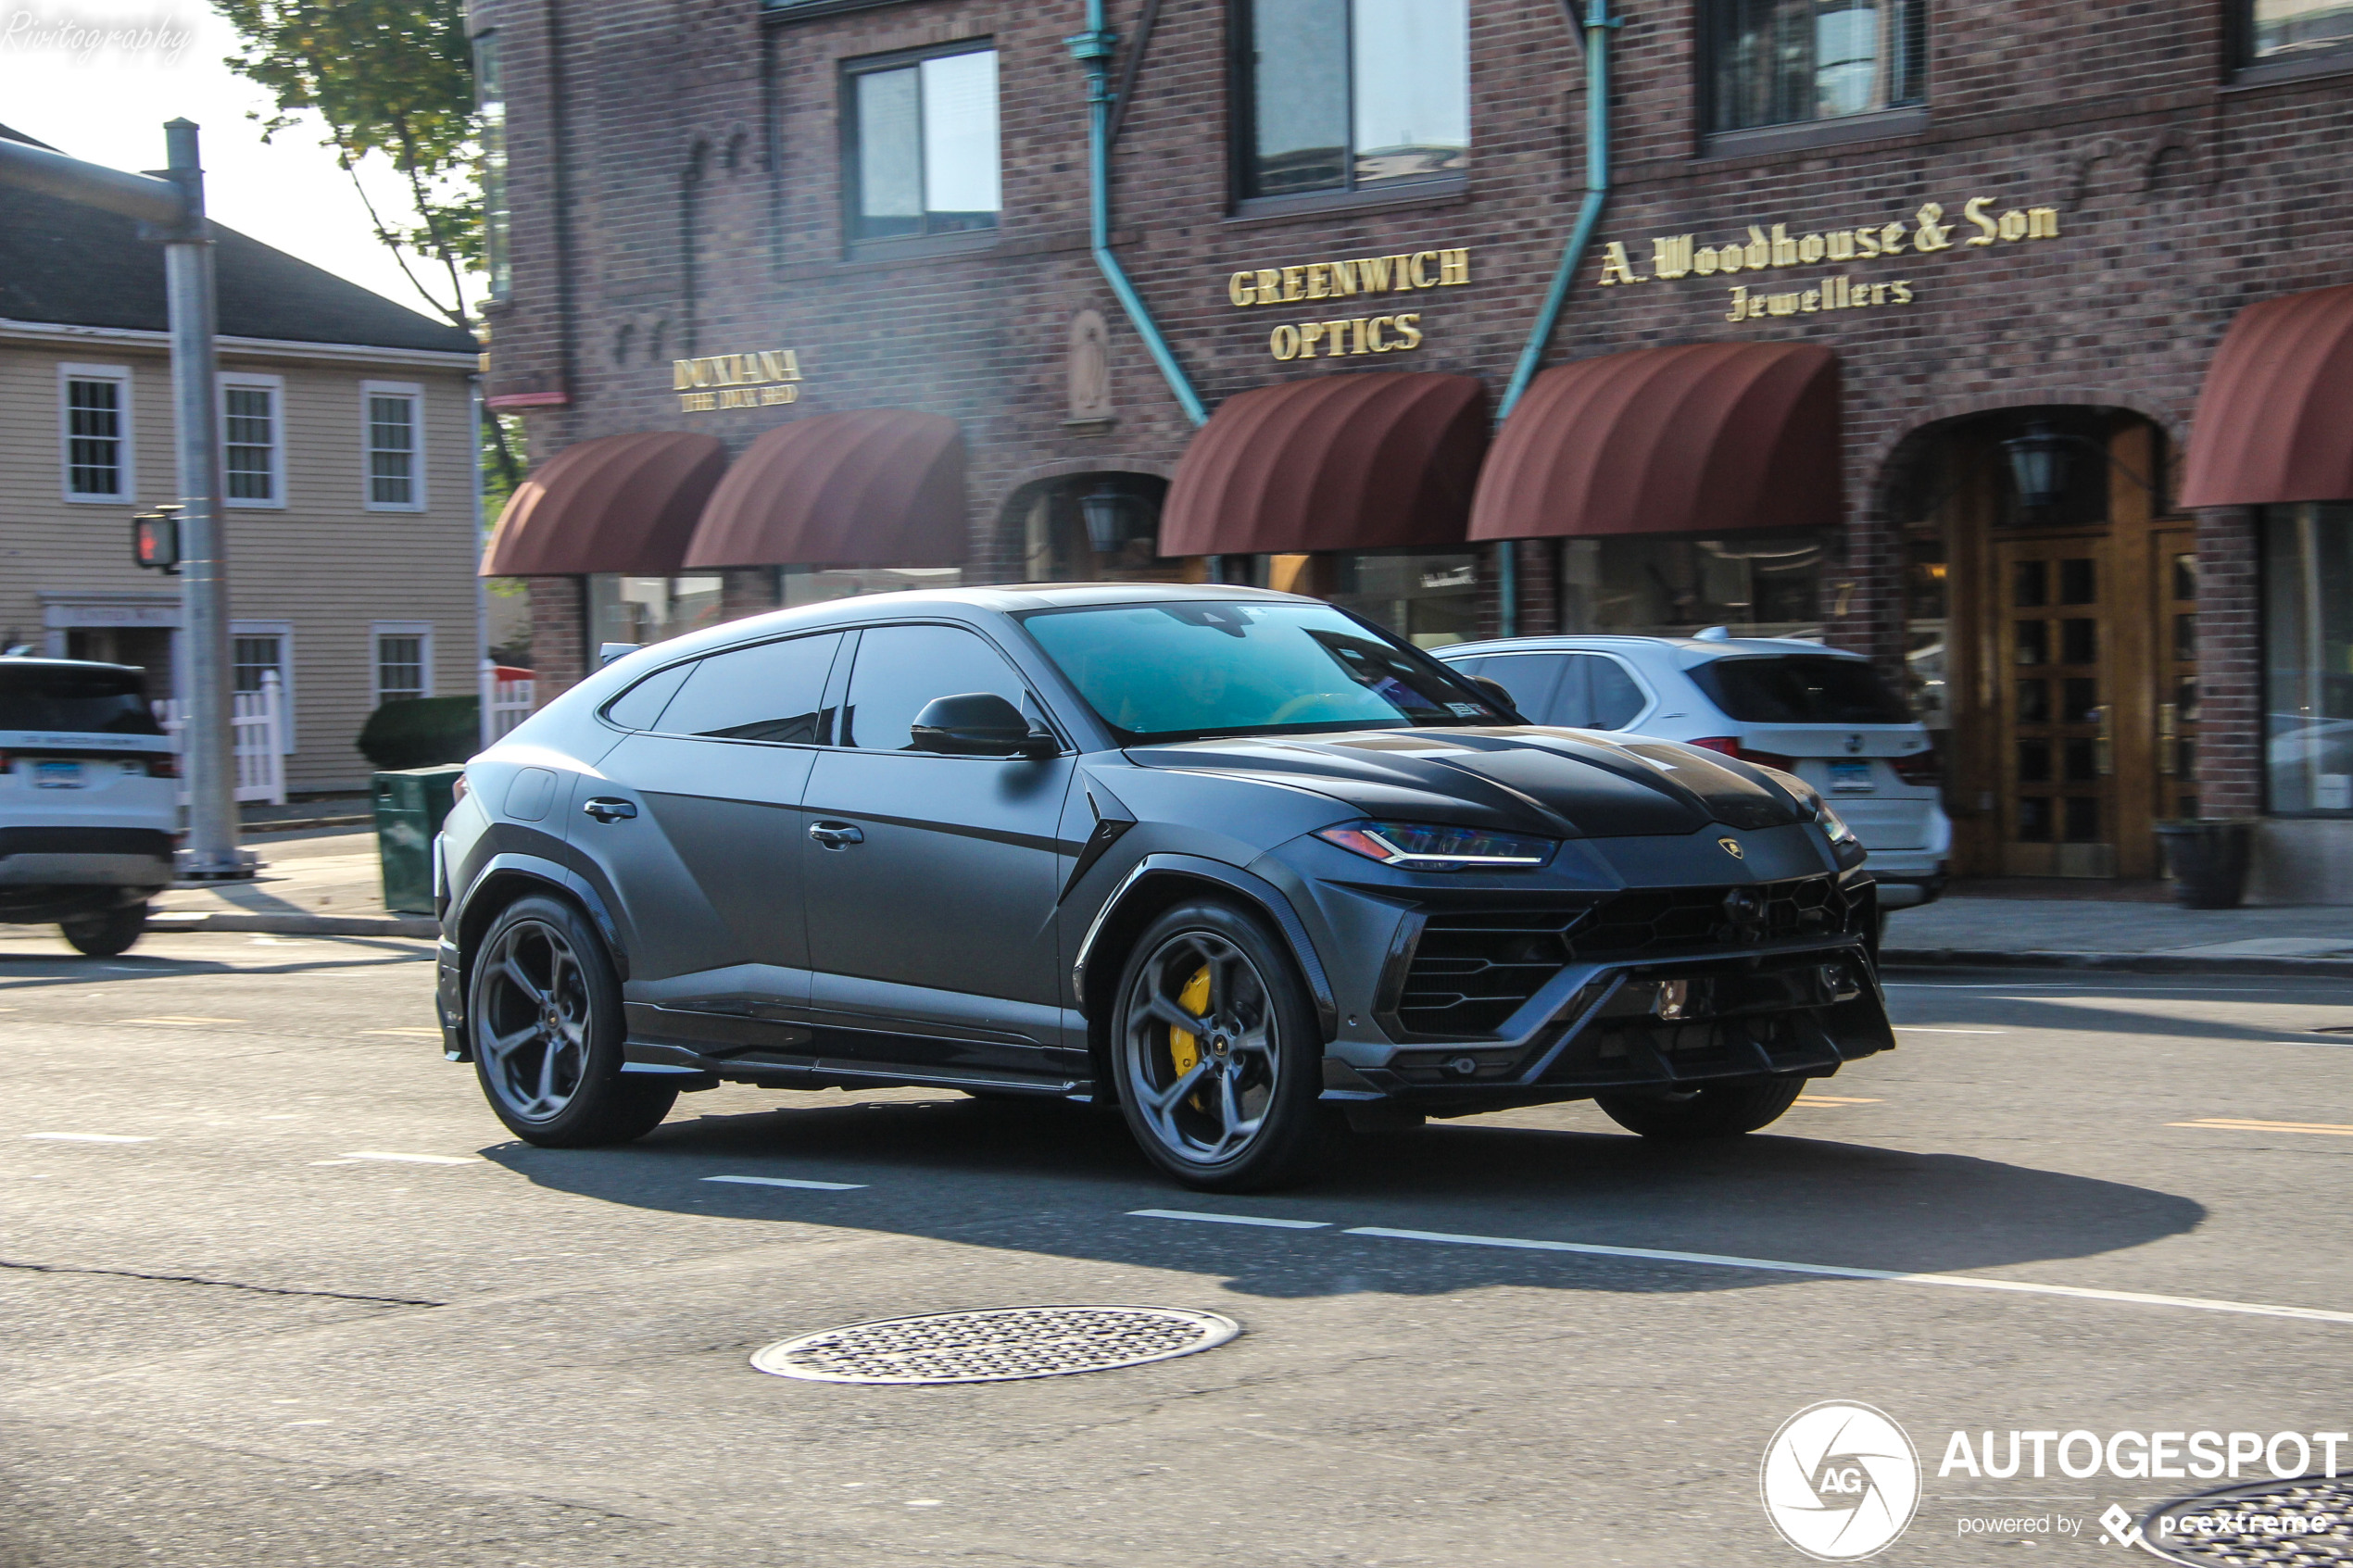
(1184, 1046)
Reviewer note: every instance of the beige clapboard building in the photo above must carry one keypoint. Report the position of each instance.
(348, 456)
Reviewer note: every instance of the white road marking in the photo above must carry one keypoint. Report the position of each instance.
(2246, 1124)
(788, 1182)
(87, 1137)
(415, 1159)
(183, 1019)
(1930, 1029)
(2188, 987)
(1897, 1277)
(407, 1033)
(1229, 1219)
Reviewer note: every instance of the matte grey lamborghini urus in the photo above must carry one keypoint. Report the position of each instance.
(1245, 865)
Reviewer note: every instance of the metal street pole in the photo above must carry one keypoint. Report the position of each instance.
(207, 741)
(173, 207)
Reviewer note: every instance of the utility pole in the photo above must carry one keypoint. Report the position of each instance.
(171, 210)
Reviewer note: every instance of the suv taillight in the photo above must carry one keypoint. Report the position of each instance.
(1919, 768)
(163, 766)
(1731, 746)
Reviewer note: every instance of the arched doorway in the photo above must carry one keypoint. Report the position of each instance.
(2051, 635)
(1094, 527)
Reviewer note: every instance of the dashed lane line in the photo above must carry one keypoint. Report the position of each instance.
(2247, 1124)
(1836, 1099)
(414, 1158)
(1200, 1217)
(87, 1137)
(788, 1182)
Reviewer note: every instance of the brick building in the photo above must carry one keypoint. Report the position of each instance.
(2011, 343)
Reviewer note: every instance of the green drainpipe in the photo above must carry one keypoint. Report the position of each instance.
(1092, 49)
(1598, 23)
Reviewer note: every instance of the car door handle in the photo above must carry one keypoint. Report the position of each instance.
(607, 809)
(836, 835)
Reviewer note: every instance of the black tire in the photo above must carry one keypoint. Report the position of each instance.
(105, 936)
(1252, 1123)
(1716, 1110)
(544, 1016)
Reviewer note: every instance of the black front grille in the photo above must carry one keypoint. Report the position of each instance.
(1471, 972)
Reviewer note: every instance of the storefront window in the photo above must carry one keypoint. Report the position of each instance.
(1779, 62)
(1759, 585)
(818, 585)
(2308, 637)
(1100, 528)
(923, 150)
(649, 610)
(1348, 94)
(2294, 30)
(1429, 599)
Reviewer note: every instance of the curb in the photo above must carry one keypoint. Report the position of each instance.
(2127, 963)
(300, 824)
(167, 921)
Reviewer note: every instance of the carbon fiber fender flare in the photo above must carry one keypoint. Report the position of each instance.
(510, 865)
(1270, 900)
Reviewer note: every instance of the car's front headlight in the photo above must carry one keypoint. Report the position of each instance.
(1425, 846)
(1834, 824)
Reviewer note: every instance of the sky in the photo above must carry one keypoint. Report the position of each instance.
(106, 103)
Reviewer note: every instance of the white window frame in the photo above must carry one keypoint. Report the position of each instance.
(283, 631)
(120, 376)
(377, 631)
(415, 393)
(276, 386)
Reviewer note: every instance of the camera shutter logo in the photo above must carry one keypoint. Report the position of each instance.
(1840, 1481)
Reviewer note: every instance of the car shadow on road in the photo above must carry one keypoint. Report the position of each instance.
(1060, 1180)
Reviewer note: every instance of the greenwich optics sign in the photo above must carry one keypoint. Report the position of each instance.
(736, 380)
(1346, 300)
(1977, 227)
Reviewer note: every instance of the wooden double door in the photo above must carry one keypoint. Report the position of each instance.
(2084, 732)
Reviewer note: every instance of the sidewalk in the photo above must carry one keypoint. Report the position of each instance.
(316, 884)
(2075, 927)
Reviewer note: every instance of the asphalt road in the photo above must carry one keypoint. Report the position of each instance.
(323, 1312)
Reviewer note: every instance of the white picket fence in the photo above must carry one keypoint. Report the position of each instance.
(505, 704)
(258, 726)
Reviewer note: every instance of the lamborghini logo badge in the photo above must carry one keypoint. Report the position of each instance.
(1732, 848)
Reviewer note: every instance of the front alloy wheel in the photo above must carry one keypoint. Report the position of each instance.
(1216, 1053)
(544, 1019)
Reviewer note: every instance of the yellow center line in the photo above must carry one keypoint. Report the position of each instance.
(1835, 1100)
(2246, 1124)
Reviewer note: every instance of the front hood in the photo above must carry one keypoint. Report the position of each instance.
(1565, 784)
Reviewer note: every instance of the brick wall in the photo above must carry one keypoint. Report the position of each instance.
(2229, 663)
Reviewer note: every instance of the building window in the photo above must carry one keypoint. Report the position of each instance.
(2308, 645)
(923, 155)
(1352, 94)
(2293, 31)
(252, 448)
(404, 660)
(394, 445)
(1783, 62)
(95, 421)
(490, 100)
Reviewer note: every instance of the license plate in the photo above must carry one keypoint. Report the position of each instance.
(56, 775)
(1852, 778)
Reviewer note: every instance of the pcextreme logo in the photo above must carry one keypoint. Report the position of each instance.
(1840, 1481)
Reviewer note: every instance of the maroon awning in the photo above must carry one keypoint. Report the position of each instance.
(2274, 421)
(872, 488)
(1354, 461)
(1697, 438)
(619, 502)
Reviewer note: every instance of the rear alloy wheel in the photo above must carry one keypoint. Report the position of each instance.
(1716, 1110)
(105, 934)
(1217, 1057)
(544, 1015)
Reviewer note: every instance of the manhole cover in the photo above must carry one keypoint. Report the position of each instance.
(2306, 1521)
(995, 1346)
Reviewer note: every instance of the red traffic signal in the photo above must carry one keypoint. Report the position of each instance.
(155, 540)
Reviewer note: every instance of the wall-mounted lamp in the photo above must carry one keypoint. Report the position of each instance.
(2041, 458)
(1106, 514)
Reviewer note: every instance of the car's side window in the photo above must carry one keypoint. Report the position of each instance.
(641, 707)
(901, 669)
(768, 692)
(1616, 698)
(1529, 677)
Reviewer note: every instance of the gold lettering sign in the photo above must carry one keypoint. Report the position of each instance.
(1676, 257)
(1352, 285)
(763, 379)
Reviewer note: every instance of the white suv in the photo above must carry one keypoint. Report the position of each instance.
(89, 800)
(1822, 714)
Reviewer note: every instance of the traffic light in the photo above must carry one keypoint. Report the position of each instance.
(155, 540)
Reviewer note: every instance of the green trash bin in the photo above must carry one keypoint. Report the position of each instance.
(410, 804)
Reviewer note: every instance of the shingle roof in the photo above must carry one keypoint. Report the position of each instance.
(77, 266)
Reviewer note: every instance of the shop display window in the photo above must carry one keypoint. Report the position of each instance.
(1758, 584)
(818, 585)
(649, 610)
(2307, 664)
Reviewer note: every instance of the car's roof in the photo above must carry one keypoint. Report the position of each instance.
(67, 666)
(1689, 651)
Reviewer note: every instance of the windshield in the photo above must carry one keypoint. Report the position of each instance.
(1179, 671)
(105, 702)
(1801, 689)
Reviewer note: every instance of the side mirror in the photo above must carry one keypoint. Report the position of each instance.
(1496, 691)
(978, 724)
